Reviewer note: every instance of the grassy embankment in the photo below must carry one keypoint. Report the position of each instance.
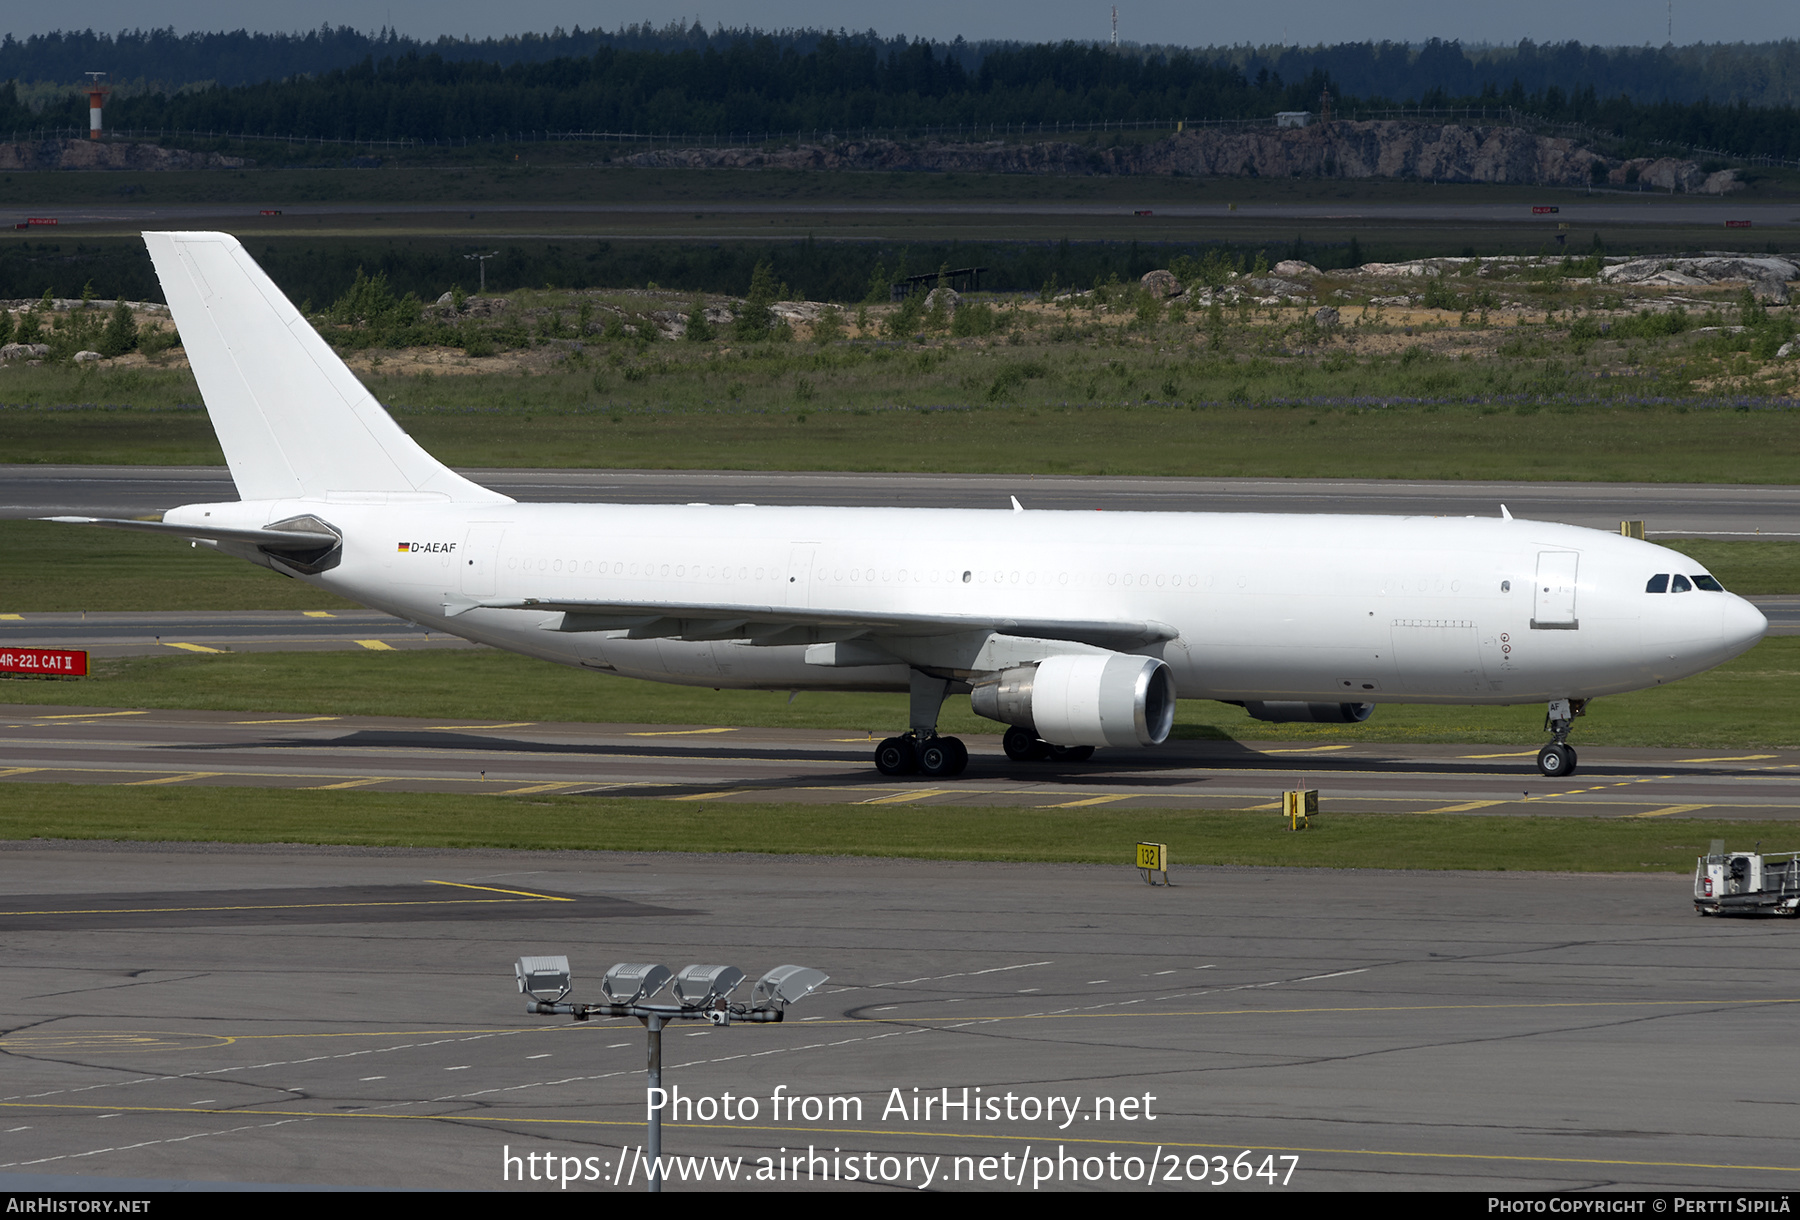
(924, 832)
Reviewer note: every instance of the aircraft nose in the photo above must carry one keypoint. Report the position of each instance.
(1742, 625)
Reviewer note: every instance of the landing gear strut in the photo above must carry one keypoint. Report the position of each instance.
(1558, 758)
(920, 750)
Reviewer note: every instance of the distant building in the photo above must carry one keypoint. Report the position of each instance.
(1293, 118)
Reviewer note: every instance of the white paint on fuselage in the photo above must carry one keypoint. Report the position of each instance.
(1318, 608)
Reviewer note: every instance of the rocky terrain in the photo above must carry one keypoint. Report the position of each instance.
(1385, 149)
(108, 154)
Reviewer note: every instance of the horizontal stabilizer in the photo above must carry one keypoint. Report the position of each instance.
(268, 539)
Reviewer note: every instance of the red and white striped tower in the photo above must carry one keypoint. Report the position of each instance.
(96, 99)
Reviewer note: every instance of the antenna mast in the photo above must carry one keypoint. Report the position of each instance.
(1115, 37)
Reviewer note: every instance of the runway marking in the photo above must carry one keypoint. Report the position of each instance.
(12, 616)
(709, 796)
(551, 787)
(1520, 754)
(19, 770)
(349, 783)
(376, 646)
(900, 798)
(318, 614)
(1307, 750)
(172, 779)
(682, 733)
(289, 1116)
(1658, 813)
(192, 647)
(1737, 758)
(494, 889)
(1463, 808)
(89, 715)
(290, 720)
(869, 738)
(1092, 800)
(932, 978)
(439, 728)
(303, 906)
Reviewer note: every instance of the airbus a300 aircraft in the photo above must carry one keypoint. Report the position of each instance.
(1076, 629)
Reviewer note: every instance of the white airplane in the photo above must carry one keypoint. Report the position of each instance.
(1078, 629)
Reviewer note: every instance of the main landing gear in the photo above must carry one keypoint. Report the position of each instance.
(1022, 745)
(1558, 758)
(920, 750)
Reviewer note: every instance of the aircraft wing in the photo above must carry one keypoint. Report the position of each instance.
(800, 624)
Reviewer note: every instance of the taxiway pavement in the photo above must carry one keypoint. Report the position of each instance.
(1667, 509)
(743, 765)
(318, 1016)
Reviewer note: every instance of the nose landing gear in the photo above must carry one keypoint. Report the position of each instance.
(1558, 758)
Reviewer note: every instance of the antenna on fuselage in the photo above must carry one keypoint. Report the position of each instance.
(1504, 514)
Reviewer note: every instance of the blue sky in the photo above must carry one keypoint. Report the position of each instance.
(1609, 22)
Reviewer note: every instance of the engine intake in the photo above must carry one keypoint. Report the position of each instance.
(1310, 713)
(1104, 699)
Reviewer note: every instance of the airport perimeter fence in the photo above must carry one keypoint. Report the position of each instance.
(1507, 116)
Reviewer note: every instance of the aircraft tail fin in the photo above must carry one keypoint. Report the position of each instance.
(294, 421)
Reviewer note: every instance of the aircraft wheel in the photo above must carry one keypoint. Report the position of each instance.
(942, 757)
(1556, 761)
(1071, 754)
(1020, 744)
(896, 756)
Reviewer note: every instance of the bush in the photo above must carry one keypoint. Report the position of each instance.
(121, 333)
(972, 320)
(699, 330)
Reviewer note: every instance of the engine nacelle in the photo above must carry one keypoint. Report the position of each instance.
(1095, 699)
(1310, 713)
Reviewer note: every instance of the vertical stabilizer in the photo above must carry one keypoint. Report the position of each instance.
(294, 421)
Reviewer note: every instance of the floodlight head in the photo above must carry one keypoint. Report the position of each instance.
(543, 978)
(631, 982)
(700, 986)
(785, 985)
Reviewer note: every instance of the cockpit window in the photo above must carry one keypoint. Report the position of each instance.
(1711, 585)
(1681, 585)
(1658, 583)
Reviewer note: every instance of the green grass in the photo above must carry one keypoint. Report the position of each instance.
(912, 433)
(261, 815)
(48, 567)
(1745, 704)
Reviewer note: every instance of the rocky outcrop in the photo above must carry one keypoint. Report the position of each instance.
(1161, 283)
(1708, 269)
(1448, 152)
(108, 154)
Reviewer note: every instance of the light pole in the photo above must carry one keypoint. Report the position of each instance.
(703, 993)
(481, 261)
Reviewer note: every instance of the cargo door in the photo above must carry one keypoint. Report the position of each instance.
(1553, 605)
(481, 560)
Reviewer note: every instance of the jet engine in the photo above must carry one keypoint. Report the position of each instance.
(1094, 699)
(1310, 713)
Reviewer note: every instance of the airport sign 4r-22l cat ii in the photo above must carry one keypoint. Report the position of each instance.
(1077, 629)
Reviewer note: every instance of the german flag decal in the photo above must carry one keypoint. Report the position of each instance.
(405, 547)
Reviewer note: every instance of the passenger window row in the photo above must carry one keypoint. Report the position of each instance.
(1660, 583)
